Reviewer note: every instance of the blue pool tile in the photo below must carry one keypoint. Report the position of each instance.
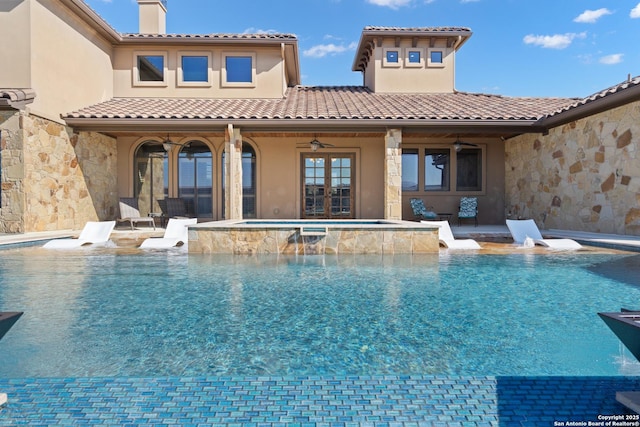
(353, 400)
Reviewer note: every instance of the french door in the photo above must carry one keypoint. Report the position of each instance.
(328, 185)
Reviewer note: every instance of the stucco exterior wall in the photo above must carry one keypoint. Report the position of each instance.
(269, 73)
(15, 32)
(66, 75)
(584, 175)
(407, 78)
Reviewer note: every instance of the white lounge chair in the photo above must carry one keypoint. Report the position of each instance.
(93, 233)
(446, 236)
(176, 234)
(523, 229)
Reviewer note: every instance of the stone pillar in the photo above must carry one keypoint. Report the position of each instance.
(233, 173)
(393, 174)
(12, 169)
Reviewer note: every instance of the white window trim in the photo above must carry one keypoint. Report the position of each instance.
(136, 73)
(223, 74)
(436, 64)
(385, 63)
(180, 76)
(409, 64)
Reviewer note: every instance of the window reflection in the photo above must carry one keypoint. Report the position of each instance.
(195, 179)
(151, 176)
(436, 170)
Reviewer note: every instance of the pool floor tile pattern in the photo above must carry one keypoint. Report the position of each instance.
(306, 401)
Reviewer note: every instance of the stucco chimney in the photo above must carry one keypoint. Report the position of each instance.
(153, 16)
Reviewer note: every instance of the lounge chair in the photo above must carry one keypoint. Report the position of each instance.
(526, 229)
(468, 209)
(129, 212)
(93, 233)
(173, 207)
(446, 236)
(176, 234)
(420, 211)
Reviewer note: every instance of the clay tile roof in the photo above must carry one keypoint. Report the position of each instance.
(418, 29)
(211, 37)
(332, 104)
(16, 98)
(615, 89)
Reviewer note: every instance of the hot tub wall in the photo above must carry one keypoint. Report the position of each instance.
(288, 240)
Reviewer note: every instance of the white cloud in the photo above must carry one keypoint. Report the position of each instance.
(635, 12)
(616, 58)
(322, 50)
(556, 41)
(393, 4)
(591, 16)
(252, 30)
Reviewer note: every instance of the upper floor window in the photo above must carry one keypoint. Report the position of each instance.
(414, 58)
(391, 57)
(239, 69)
(150, 69)
(436, 58)
(194, 69)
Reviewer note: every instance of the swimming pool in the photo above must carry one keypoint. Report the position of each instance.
(128, 313)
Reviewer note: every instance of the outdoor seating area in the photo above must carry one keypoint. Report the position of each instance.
(129, 212)
(525, 232)
(94, 233)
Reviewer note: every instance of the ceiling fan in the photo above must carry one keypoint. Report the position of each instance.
(314, 144)
(457, 145)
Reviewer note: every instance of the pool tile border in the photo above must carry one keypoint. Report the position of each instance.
(411, 400)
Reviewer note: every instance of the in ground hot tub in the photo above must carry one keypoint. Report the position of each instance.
(307, 237)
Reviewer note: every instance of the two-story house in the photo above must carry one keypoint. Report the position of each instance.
(222, 121)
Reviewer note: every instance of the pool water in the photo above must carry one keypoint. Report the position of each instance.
(129, 313)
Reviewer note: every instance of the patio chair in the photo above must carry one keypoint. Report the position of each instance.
(93, 233)
(176, 234)
(420, 211)
(468, 209)
(446, 237)
(130, 213)
(173, 207)
(524, 230)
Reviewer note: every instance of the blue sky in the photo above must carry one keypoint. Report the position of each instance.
(519, 47)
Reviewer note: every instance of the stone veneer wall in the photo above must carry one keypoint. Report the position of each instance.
(12, 173)
(53, 179)
(582, 176)
(287, 240)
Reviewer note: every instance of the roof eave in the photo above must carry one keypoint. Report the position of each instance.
(202, 39)
(110, 125)
(590, 108)
(93, 19)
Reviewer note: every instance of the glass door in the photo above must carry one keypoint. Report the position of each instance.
(328, 186)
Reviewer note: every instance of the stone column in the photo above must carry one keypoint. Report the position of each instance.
(233, 173)
(393, 174)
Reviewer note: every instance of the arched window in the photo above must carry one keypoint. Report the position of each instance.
(249, 181)
(195, 179)
(151, 176)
